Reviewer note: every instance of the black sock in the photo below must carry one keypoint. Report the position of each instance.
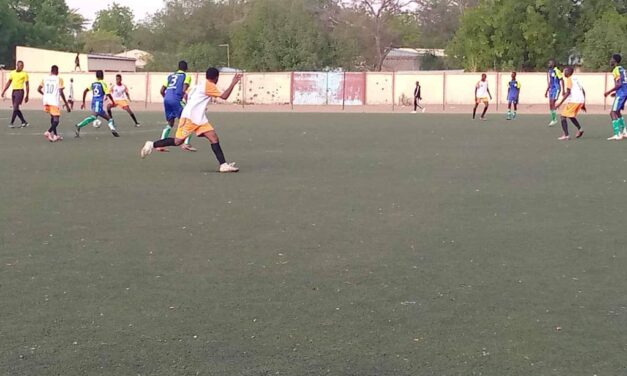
(576, 123)
(217, 150)
(134, 118)
(164, 143)
(21, 116)
(54, 122)
(484, 112)
(565, 126)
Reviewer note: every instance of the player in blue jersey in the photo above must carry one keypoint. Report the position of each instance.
(100, 91)
(174, 93)
(513, 93)
(620, 92)
(555, 80)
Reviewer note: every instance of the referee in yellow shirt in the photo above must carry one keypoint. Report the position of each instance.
(19, 80)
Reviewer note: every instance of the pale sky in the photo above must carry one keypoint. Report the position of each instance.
(140, 7)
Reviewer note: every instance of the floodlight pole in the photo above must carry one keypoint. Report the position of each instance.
(228, 53)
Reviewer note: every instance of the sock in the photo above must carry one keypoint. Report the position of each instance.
(164, 143)
(111, 124)
(514, 114)
(217, 150)
(134, 118)
(87, 120)
(576, 123)
(484, 112)
(621, 121)
(553, 115)
(188, 140)
(565, 126)
(616, 126)
(21, 116)
(54, 123)
(166, 132)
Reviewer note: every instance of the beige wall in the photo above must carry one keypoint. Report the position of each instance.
(381, 88)
(38, 60)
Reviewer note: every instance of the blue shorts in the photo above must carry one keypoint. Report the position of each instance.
(97, 108)
(619, 102)
(173, 110)
(554, 93)
(513, 100)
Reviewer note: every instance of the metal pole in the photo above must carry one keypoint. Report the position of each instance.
(443, 91)
(344, 91)
(393, 90)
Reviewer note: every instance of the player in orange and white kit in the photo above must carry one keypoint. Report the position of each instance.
(52, 90)
(121, 97)
(194, 120)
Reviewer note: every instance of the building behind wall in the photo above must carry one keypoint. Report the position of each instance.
(412, 59)
(40, 60)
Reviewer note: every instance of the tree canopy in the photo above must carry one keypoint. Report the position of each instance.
(275, 35)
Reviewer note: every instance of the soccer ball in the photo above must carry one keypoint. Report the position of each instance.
(97, 123)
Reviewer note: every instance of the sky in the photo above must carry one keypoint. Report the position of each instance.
(140, 7)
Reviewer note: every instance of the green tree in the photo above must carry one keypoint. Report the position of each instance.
(101, 41)
(605, 38)
(280, 35)
(118, 20)
(8, 36)
(514, 34)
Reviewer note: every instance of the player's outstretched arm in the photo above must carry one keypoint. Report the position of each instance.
(163, 91)
(227, 92)
(584, 100)
(40, 89)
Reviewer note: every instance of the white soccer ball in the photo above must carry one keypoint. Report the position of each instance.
(97, 123)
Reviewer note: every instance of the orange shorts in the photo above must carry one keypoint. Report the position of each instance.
(121, 103)
(485, 100)
(186, 128)
(572, 110)
(52, 110)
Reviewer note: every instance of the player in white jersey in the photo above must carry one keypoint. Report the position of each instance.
(575, 99)
(194, 120)
(122, 98)
(52, 90)
(482, 94)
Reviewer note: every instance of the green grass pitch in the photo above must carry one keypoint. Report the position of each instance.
(349, 244)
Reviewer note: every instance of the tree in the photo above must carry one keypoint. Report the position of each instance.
(489, 39)
(439, 19)
(601, 41)
(9, 22)
(380, 12)
(101, 41)
(118, 20)
(280, 35)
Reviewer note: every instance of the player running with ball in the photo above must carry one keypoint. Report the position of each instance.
(194, 120)
(100, 91)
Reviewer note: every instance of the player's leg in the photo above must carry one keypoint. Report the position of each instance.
(212, 136)
(565, 136)
(615, 116)
(578, 126)
(415, 104)
(16, 98)
(509, 110)
(110, 121)
(132, 115)
(88, 120)
(474, 110)
(184, 129)
(515, 109)
(485, 110)
(554, 96)
(109, 107)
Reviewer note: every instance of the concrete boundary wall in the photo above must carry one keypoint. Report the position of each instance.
(444, 90)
